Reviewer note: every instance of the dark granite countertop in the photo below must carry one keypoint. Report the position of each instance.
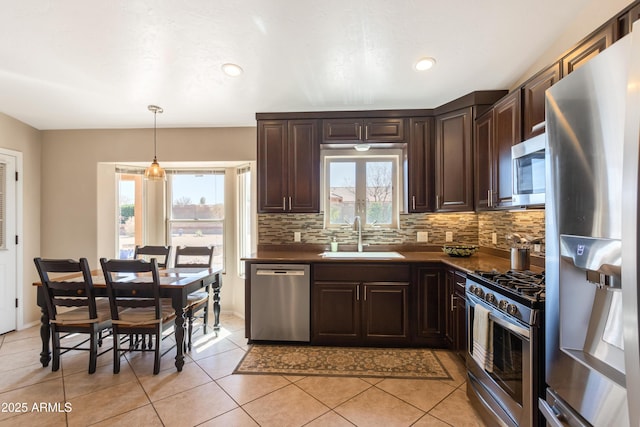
(478, 261)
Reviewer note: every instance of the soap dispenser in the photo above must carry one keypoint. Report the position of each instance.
(334, 244)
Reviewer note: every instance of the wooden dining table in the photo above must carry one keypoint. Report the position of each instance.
(175, 283)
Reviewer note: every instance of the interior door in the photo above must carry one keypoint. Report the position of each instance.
(8, 266)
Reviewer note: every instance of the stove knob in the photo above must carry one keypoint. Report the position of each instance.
(472, 289)
(512, 309)
(491, 298)
(502, 305)
(479, 292)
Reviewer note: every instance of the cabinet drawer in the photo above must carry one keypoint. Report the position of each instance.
(378, 272)
(459, 283)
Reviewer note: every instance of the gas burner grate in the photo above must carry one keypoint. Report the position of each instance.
(527, 283)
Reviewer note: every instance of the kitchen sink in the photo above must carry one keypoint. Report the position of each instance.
(365, 255)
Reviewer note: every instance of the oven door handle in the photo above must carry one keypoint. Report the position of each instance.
(501, 320)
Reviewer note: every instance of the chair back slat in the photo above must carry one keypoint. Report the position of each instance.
(194, 256)
(60, 291)
(132, 284)
(161, 253)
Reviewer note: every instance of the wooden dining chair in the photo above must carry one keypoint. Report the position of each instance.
(202, 257)
(73, 307)
(133, 287)
(161, 253)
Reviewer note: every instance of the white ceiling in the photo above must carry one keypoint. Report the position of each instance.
(83, 64)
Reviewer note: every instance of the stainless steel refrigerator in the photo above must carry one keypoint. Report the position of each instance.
(592, 356)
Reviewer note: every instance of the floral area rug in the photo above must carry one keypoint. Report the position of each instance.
(415, 363)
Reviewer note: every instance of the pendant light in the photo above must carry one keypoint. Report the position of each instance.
(155, 172)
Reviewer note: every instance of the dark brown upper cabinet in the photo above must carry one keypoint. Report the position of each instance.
(534, 104)
(421, 151)
(484, 163)
(288, 166)
(496, 131)
(506, 133)
(588, 48)
(363, 130)
(453, 161)
(625, 21)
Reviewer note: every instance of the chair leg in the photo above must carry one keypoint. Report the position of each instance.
(190, 330)
(93, 352)
(156, 362)
(55, 341)
(116, 352)
(206, 317)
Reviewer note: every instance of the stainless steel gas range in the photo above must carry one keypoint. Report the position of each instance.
(505, 345)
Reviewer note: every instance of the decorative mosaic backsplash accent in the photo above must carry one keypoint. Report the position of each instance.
(525, 223)
(469, 228)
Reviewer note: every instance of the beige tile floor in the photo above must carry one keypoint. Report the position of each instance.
(206, 393)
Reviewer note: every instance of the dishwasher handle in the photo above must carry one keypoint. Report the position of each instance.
(265, 272)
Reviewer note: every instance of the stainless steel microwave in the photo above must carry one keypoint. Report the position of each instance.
(529, 171)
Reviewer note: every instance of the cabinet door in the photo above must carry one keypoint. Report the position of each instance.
(272, 166)
(303, 166)
(588, 49)
(342, 130)
(506, 133)
(534, 103)
(386, 312)
(460, 343)
(450, 316)
(483, 161)
(336, 312)
(432, 303)
(454, 166)
(421, 164)
(383, 130)
(460, 346)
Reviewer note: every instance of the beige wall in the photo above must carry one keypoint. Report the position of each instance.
(17, 136)
(70, 189)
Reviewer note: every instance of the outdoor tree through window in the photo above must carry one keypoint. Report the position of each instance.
(364, 186)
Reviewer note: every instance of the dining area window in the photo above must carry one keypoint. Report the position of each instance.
(196, 210)
(192, 209)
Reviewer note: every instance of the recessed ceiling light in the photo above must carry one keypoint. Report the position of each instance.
(425, 63)
(232, 70)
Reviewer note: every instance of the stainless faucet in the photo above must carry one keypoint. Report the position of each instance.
(357, 225)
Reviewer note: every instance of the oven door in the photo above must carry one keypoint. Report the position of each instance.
(504, 385)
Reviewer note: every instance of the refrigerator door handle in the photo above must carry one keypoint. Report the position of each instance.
(552, 417)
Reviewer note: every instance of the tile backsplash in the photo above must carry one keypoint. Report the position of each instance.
(471, 228)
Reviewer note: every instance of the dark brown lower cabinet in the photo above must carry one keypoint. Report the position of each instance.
(431, 306)
(359, 310)
(456, 325)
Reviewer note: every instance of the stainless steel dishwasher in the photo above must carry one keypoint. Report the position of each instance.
(280, 302)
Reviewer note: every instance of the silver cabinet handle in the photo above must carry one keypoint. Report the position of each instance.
(365, 292)
(413, 202)
(358, 293)
(437, 202)
(453, 299)
(489, 201)
(284, 203)
(289, 202)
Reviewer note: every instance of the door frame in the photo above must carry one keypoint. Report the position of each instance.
(19, 232)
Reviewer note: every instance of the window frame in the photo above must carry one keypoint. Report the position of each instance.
(169, 205)
(395, 155)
